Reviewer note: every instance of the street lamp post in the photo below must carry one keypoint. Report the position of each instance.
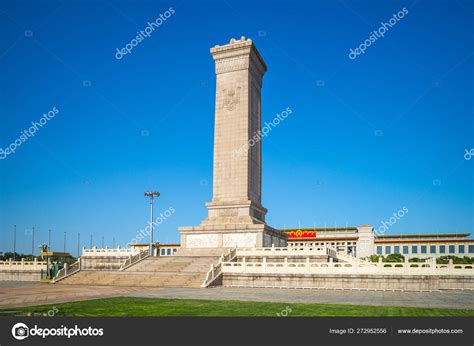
(78, 244)
(151, 195)
(14, 243)
(33, 244)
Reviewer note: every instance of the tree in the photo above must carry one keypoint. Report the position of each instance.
(7, 255)
(374, 258)
(456, 260)
(416, 260)
(395, 257)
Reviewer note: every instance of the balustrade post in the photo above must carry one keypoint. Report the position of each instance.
(450, 265)
(22, 264)
(264, 266)
(65, 269)
(244, 265)
(379, 263)
(212, 271)
(432, 264)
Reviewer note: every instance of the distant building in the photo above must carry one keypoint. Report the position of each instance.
(159, 249)
(362, 241)
(167, 249)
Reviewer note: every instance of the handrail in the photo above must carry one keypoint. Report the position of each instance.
(67, 270)
(216, 271)
(132, 259)
(350, 258)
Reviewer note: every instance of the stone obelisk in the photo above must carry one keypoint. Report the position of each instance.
(236, 216)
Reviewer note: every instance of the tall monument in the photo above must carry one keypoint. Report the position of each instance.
(235, 214)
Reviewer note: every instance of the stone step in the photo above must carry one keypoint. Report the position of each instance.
(173, 271)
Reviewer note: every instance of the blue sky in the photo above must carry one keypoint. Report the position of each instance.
(367, 136)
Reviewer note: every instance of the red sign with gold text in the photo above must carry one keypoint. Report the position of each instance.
(299, 234)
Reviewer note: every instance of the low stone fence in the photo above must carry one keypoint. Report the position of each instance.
(22, 265)
(106, 258)
(287, 272)
(287, 251)
(382, 268)
(346, 281)
(109, 252)
(22, 270)
(101, 262)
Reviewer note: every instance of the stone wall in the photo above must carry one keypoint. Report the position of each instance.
(351, 281)
(102, 263)
(20, 275)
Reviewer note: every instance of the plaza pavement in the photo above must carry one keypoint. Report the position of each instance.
(452, 299)
(16, 294)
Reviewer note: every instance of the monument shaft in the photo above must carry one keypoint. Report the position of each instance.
(236, 216)
(237, 147)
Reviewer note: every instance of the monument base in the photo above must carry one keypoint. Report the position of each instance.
(231, 235)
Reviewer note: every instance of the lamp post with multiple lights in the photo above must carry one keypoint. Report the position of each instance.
(152, 195)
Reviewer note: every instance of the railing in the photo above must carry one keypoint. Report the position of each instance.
(406, 268)
(113, 252)
(67, 270)
(320, 250)
(341, 255)
(132, 259)
(22, 265)
(215, 272)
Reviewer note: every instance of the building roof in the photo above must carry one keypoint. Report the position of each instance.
(314, 233)
(320, 229)
(424, 235)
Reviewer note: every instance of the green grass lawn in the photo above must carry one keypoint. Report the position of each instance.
(125, 306)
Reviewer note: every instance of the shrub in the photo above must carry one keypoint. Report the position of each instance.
(456, 260)
(395, 257)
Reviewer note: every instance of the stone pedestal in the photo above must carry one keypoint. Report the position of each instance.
(230, 235)
(236, 216)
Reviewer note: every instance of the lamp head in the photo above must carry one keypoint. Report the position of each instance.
(152, 194)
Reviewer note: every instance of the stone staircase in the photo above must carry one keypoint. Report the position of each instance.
(173, 271)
